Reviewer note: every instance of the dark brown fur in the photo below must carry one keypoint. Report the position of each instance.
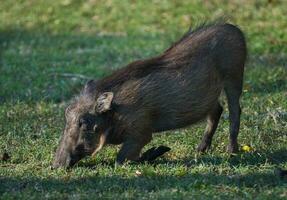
(173, 90)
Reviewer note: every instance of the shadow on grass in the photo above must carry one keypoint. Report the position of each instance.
(140, 185)
(270, 86)
(34, 64)
(242, 159)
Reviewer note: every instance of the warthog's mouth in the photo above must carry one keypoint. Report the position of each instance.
(69, 162)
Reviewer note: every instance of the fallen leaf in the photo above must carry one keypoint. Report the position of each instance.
(138, 173)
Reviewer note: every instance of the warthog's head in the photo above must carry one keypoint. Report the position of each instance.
(87, 126)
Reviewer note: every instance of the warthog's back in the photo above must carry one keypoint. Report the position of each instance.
(180, 86)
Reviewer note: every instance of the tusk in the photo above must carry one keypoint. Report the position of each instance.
(102, 142)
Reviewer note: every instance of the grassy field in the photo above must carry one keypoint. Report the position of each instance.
(43, 42)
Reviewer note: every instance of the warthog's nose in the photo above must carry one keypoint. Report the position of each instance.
(61, 163)
(53, 166)
(56, 165)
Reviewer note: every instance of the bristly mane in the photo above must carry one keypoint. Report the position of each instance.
(198, 28)
(141, 68)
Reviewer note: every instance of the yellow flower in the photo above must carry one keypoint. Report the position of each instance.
(246, 148)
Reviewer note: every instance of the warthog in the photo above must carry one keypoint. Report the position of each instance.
(173, 90)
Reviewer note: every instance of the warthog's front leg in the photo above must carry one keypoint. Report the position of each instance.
(132, 147)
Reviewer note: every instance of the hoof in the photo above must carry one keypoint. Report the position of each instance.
(153, 153)
(203, 147)
(232, 149)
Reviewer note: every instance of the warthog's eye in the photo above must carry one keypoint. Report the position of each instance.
(87, 122)
(95, 128)
(81, 122)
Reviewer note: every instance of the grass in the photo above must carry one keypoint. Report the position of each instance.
(42, 40)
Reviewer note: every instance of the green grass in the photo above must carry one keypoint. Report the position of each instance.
(42, 40)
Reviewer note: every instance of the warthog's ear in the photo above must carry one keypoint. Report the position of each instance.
(104, 102)
(90, 86)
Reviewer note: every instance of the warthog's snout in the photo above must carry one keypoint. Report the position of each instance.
(58, 164)
(65, 157)
(65, 161)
